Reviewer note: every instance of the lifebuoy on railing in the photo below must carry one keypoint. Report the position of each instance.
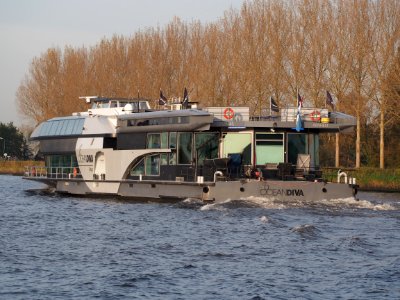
(229, 113)
(315, 116)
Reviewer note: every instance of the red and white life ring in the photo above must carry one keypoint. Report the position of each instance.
(315, 116)
(229, 113)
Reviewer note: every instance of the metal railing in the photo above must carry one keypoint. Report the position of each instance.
(52, 172)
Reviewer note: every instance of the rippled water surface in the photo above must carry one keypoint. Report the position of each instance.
(57, 247)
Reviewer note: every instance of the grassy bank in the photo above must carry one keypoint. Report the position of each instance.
(16, 167)
(370, 179)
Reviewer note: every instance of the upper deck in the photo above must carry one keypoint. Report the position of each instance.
(114, 106)
(109, 116)
(319, 119)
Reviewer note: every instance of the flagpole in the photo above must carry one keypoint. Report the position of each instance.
(270, 106)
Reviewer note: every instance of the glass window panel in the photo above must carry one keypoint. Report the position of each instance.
(48, 161)
(57, 127)
(66, 130)
(138, 169)
(172, 140)
(74, 162)
(78, 126)
(164, 159)
(142, 105)
(206, 146)
(153, 141)
(185, 148)
(172, 157)
(45, 128)
(63, 127)
(70, 127)
(52, 128)
(153, 165)
(164, 140)
(238, 143)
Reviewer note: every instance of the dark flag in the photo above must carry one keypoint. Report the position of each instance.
(162, 100)
(185, 101)
(273, 105)
(329, 100)
(299, 101)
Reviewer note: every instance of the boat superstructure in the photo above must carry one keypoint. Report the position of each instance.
(122, 147)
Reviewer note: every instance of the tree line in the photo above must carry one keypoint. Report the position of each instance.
(13, 144)
(265, 48)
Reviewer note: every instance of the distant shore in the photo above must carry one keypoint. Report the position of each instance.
(369, 179)
(17, 167)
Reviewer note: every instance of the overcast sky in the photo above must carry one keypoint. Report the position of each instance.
(29, 27)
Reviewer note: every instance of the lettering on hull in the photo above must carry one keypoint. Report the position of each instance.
(267, 191)
(85, 158)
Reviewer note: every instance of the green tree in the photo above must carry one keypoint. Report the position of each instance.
(13, 142)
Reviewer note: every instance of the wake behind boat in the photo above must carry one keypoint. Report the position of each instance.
(122, 147)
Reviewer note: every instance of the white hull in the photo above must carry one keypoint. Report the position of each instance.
(209, 191)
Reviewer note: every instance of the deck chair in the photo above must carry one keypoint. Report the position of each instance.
(303, 165)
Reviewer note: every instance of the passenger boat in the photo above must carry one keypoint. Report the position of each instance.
(122, 147)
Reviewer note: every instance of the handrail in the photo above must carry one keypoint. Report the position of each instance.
(52, 172)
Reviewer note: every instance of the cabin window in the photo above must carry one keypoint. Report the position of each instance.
(172, 146)
(61, 164)
(153, 141)
(148, 166)
(185, 148)
(313, 142)
(238, 143)
(206, 146)
(68, 126)
(164, 159)
(110, 143)
(143, 105)
(138, 169)
(269, 148)
(152, 165)
(102, 104)
(164, 140)
(157, 140)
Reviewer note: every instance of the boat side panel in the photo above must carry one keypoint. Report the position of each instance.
(160, 190)
(305, 191)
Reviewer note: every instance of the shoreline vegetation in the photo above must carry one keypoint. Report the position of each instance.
(369, 179)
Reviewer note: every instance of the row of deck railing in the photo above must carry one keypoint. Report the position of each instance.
(227, 173)
(52, 172)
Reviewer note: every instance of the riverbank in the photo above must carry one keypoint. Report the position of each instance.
(17, 167)
(369, 179)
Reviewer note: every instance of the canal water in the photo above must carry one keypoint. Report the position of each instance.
(58, 247)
